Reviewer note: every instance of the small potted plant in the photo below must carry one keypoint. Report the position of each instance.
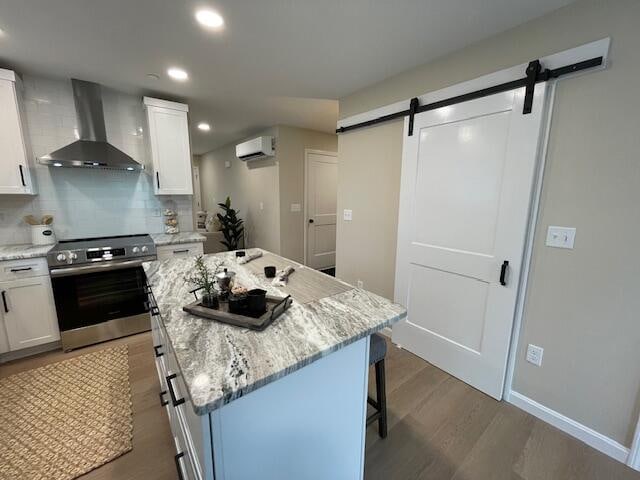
(203, 279)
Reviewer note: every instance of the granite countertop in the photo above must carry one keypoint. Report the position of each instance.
(161, 239)
(22, 251)
(221, 363)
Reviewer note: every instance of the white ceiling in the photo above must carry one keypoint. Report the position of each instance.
(276, 61)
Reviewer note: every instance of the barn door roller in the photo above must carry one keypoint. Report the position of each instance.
(533, 74)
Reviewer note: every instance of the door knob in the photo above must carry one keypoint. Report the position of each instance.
(311, 220)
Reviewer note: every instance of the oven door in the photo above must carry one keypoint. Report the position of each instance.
(91, 297)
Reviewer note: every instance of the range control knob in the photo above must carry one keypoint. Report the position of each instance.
(144, 249)
(73, 255)
(135, 249)
(61, 257)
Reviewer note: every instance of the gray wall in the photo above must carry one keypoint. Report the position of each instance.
(582, 305)
(248, 184)
(275, 182)
(292, 142)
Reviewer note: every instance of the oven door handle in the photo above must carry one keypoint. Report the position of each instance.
(99, 267)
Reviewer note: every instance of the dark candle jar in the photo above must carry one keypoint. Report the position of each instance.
(210, 300)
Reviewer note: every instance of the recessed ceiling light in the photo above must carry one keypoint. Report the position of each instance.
(204, 126)
(57, 164)
(178, 74)
(152, 76)
(209, 18)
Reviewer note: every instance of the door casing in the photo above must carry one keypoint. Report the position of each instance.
(308, 151)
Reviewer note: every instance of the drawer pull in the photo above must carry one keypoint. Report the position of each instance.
(24, 184)
(4, 301)
(179, 465)
(25, 269)
(186, 250)
(158, 353)
(174, 400)
(163, 402)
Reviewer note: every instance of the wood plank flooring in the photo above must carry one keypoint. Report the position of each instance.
(439, 429)
(442, 429)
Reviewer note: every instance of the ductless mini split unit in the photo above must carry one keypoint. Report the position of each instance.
(256, 148)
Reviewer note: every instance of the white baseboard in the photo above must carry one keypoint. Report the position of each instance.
(589, 436)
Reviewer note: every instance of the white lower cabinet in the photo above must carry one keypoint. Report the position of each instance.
(165, 252)
(28, 312)
(191, 432)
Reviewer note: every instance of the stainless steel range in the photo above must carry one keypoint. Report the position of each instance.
(99, 287)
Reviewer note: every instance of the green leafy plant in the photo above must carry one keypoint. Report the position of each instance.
(232, 228)
(202, 277)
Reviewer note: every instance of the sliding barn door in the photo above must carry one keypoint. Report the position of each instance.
(467, 178)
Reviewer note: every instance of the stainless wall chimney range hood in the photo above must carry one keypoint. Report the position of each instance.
(92, 149)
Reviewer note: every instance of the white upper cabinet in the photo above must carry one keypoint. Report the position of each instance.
(15, 156)
(168, 129)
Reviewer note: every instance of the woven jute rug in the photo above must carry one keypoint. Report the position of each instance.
(65, 419)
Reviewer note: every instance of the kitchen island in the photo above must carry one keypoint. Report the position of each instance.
(287, 402)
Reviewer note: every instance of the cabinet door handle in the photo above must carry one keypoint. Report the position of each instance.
(178, 465)
(24, 184)
(158, 354)
(181, 251)
(25, 269)
(163, 402)
(4, 301)
(174, 401)
(158, 180)
(503, 272)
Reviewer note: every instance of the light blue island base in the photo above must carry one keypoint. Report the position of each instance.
(309, 425)
(286, 403)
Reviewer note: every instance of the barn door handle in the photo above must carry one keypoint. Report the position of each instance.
(503, 272)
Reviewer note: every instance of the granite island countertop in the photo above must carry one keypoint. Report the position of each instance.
(161, 239)
(23, 251)
(220, 363)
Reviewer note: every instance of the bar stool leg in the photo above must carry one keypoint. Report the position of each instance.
(381, 397)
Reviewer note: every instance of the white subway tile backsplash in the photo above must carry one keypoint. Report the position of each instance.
(86, 202)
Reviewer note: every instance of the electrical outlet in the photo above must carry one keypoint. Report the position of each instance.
(347, 215)
(360, 284)
(534, 354)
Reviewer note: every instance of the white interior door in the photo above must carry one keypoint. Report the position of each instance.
(467, 179)
(321, 208)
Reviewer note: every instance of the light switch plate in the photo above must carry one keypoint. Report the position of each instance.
(261, 205)
(561, 237)
(295, 207)
(534, 354)
(347, 215)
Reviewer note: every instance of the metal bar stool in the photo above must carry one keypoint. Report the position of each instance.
(377, 352)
